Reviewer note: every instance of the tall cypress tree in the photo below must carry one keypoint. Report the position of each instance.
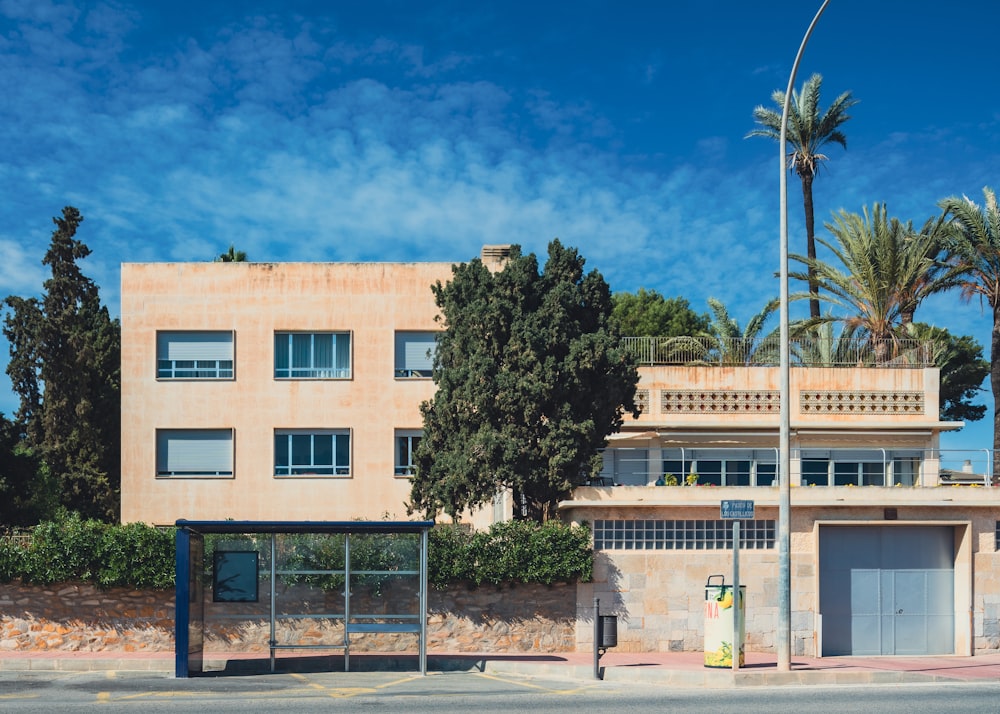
(65, 367)
(531, 378)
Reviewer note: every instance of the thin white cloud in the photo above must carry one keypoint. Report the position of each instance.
(20, 268)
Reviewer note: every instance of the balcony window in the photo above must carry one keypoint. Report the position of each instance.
(906, 469)
(194, 355)
(312, 453)
(854, 467)
(625, 467)
(312, 355)
(184, 453)
(722, 467)
(414, 354)
(406, 444)
(815, 469)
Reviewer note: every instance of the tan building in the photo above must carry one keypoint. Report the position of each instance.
(893, 541)
(266, 391)
(292, 391)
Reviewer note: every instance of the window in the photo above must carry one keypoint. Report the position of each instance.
(815, 469)
(717, 468)
(415, 354)
(406, 444)
(194, 453)
(722, 467)
(850, 467)
(312, 355)
(906, 468)
(625, 466)
(194, 355)
(682, 535)
(312, 453)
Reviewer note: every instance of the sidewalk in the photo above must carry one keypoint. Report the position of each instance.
(680, 669)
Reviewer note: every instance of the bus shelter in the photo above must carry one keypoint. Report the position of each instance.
(334, 578)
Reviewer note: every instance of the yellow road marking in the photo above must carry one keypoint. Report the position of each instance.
(404, 680)
(529, 685)
(335, 692)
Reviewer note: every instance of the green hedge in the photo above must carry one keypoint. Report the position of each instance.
(141, 556)
(511, 552)
(70, 548)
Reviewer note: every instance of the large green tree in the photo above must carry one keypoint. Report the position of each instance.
(975, 247)
(25, 497)
(648, 314)
(531, 379)
(65, 366)
(808, 130)
(886, 269)
(963, 369)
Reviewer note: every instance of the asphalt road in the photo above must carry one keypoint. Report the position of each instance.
(477, 692)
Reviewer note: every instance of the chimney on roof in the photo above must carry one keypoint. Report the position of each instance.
(495, 256)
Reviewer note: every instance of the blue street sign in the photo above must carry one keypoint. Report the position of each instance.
(732, 510)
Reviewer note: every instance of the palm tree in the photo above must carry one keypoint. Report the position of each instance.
(726, 343)
(808, 130)
(888, 269)
(975, 246)
(232, 256)
(927, 248)
(820, 346)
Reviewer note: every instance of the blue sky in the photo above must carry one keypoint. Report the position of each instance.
(391, 130)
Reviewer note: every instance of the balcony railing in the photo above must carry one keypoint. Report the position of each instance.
(803, 352)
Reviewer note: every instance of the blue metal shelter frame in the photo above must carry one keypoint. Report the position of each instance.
(190, 591)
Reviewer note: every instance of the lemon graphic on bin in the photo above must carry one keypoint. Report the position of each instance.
(721, 605)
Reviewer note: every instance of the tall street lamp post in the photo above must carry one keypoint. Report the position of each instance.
(785, 500)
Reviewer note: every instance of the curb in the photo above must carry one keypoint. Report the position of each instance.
(660, 674)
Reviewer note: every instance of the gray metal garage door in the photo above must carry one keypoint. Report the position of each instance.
(887, 590)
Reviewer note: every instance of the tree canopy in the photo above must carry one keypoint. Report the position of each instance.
(531, 379)
(963, 369)
(65, 366)
(232, 256)
(648, 314)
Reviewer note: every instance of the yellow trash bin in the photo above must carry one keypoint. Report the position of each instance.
(720, 606)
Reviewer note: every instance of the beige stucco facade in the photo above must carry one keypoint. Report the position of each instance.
(866, 439)
(253, 301)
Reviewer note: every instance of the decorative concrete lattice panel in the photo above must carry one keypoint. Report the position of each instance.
(705, 401)
(642, 400)
(815, 402)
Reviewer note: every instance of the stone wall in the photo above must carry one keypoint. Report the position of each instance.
(81, 617)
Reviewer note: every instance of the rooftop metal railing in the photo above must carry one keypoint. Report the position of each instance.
(902, 353)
